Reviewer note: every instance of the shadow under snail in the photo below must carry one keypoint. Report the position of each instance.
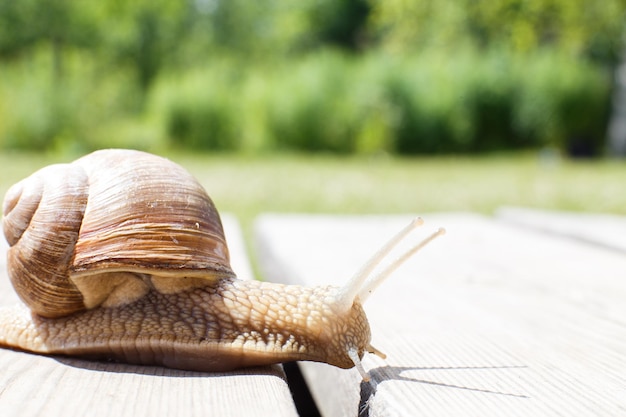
(120, 255)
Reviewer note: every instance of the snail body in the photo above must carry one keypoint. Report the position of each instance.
(176, 330)
(121, 255)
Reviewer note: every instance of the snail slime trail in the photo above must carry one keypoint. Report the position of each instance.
(121, 255)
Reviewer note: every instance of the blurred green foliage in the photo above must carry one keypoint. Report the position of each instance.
(377, 102)
(343, 76)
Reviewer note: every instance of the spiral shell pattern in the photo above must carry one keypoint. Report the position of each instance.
(107, 228)
(41, 223)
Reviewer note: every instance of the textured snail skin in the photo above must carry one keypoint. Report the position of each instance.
(225, 326)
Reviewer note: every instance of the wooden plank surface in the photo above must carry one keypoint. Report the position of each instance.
(606, 230)
(32, 385)
(490, 320)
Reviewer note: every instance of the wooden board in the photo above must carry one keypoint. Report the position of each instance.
(489, 320)
(32, 385)
(605, 230)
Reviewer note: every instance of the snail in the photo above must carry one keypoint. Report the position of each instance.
(120, 255)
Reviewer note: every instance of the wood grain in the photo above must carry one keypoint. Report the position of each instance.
(490, 320)
(32, 385)
(606, 230)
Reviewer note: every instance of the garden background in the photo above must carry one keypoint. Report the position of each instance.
(342, 76)
(397, 106)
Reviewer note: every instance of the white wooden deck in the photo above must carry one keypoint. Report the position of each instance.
(495, 318)
(501, 316)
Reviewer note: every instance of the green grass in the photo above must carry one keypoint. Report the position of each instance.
(247, 186)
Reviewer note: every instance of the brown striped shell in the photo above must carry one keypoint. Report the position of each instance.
(108, 227)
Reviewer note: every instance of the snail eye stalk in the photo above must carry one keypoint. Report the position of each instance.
(363, 283)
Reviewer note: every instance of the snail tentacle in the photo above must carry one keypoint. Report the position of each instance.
(363, 283)
(352, 288)
(373, 283)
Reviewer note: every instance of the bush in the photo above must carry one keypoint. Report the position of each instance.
(561, 101)
(308, 108)
(80, 111)
(200, 110)
(35, 115)
(496, 101)
(431, 103)
(427, 99)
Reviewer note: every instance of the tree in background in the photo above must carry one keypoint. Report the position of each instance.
(56, 24)
(144, 35)
(341, 23)
(591, 29)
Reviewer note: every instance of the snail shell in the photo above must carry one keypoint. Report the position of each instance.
(106, 228)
